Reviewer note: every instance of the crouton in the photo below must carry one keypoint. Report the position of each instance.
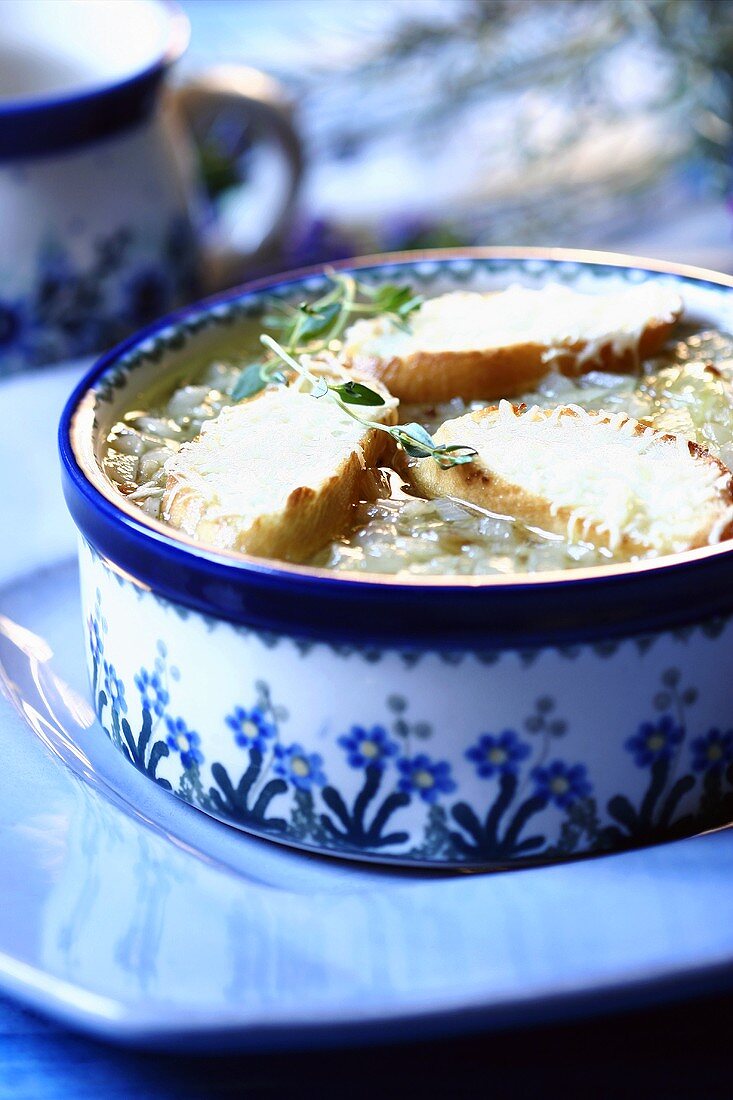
(603, 479)
(275, 476)
(489, 346)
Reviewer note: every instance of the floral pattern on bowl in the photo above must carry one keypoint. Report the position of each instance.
(401, 789)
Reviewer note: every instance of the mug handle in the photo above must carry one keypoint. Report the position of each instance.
(248, 100)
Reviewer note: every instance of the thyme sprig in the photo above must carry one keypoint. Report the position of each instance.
(312, 327)
(325, 319)
(413, 438)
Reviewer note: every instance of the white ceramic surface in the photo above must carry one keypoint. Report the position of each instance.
(459, 757)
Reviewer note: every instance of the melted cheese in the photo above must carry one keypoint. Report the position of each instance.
(553, 317)
(611, 476)
(249, 459)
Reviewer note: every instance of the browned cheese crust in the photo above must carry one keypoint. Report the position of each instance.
(475, 484)
(311, 517)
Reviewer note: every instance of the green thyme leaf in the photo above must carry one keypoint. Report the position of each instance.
(353, 393)
(408, 307)
(454, 454)
(313, 322)
(310, 325)
(251, 381)
(391, 298)
(389, 295)
(415, 440)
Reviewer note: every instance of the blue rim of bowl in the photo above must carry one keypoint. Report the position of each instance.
(556, 609)
(32, 127)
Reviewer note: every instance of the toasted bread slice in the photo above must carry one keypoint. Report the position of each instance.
(275, 476)
(488, 346)
(593, 477)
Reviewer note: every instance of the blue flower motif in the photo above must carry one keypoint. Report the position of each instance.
(148, 296)
(96, 627)
(562, 783)
(502, 754)
(654, 741)
(252, 728)
(184, 741)
(365, 747)
(10, 325)
(152, 693)
(180, 241)
(67, 312)
(712, 751)
(425, 777)
(304, 770)
(114, 687)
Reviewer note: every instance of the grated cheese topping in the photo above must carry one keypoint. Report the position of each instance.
(248, 460)
(613, 476)
(553, 317)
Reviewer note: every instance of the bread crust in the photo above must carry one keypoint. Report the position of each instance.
(474, 483)
(491, 373)
(310, 518)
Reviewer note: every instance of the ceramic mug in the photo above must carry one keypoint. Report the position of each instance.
(106, 224)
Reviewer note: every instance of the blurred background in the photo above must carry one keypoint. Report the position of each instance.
(597, 123)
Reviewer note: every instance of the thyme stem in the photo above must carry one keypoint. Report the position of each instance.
(414, 439)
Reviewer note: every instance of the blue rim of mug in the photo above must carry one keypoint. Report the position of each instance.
(31, 128)
(561, 608)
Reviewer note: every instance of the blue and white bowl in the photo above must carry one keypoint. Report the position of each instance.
(421, 721)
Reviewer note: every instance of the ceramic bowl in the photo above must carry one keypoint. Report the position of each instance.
(467, 721)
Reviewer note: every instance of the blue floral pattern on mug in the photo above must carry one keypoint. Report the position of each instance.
(11, 325)
(147, 295)
(77, 308)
